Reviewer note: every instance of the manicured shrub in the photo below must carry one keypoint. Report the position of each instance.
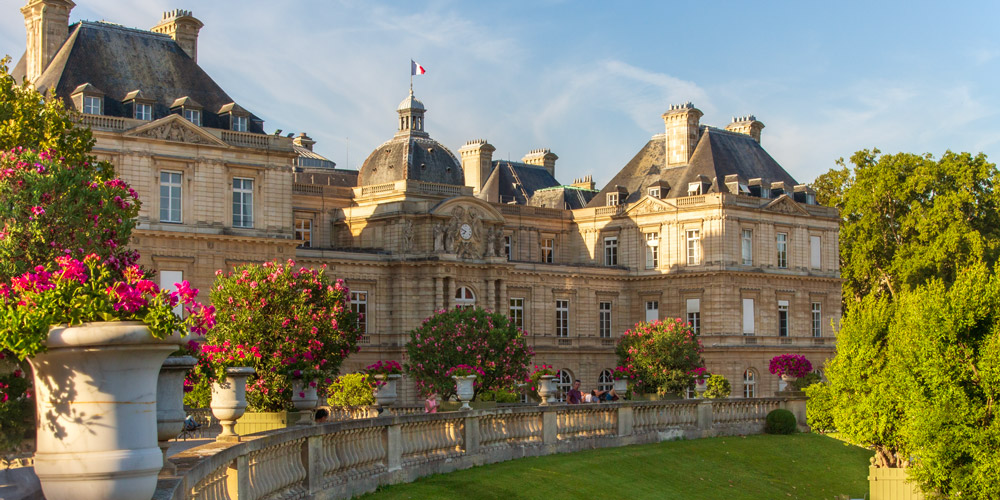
(352, 390)
(780, 421)
(661, 356)
(718, 387)
(499, 395)
(819, 408)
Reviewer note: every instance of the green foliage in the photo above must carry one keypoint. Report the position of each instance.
(780, 421)
(57, 198)
(907, 219)
(806, 380)
(16, 409)
(352, 390)
(819, 408)
(284, 322)
(499, 395)
(717, 387)
(661, 356)
(831, 186)
(469, 336)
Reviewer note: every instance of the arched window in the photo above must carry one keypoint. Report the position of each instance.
(749, 383)
(464, 297)
(564, 382)
(606, 381)
(819, 373)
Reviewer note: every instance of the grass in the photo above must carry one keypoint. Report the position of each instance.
(800, 466)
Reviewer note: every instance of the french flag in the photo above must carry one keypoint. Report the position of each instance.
(416, 69)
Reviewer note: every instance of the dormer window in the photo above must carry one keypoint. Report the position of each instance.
(143, 111)
(92, 105)
(612, 199)
(88, 99)
(810, 199)
(188, 108)
(193, 116)
(141, 107)
(654, 192)
(694, 189)
(238, 117)
(239, 123)
(744, 189)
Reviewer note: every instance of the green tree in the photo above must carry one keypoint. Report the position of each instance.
(662, 356)
(831, 186)
(718, 387)
(819, 408)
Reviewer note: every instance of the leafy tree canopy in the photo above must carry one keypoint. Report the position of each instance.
(661, 355)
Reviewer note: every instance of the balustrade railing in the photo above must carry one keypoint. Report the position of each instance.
(345, 458)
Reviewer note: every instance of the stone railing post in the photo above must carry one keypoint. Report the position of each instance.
(238, 478)
(394, 447)
(796, 405)
(625, 421)
(471, 435)
(550, 426)
(705, 416)
(314, 470)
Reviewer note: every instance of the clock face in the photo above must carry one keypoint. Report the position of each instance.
(465, 231)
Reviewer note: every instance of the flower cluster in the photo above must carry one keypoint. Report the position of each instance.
(16, 407)
(71, 292)
(536, 375)
(384, 368)
(296, 317)
(795, 365)
(699, 374)
(622, 373)
(58, 207)
(470, 336)
(465, 371)
(660, 355)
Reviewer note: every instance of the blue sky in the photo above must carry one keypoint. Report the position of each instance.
(589, 80)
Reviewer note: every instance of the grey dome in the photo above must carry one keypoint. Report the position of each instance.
(411, 157)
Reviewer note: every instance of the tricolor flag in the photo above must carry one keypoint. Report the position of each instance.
(416, 69)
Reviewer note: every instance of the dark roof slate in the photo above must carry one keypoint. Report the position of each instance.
(519, 181)
(566, 197)
(407, 156)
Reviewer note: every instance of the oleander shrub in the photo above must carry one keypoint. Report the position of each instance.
(662, 356)
(780, 421)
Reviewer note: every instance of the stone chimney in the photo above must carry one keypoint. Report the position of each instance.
(46, 25)
(303, 141)
(542, 158)
(477, 163)
(183, 28)
(682, 132)
(585, 182)
(746, 125)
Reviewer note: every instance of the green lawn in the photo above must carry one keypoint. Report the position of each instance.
(730, 468)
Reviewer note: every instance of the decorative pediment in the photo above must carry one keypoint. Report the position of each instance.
(176, 128)
(648, 205)
(784, 204)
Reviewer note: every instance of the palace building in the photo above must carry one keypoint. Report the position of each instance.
(702, 223)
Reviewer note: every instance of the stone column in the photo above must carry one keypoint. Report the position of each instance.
(438, 293)
(449, 293)
(394, 447)
(625, 421)
(488, 294)
(471, 436)
(705, 417)
(503, 301)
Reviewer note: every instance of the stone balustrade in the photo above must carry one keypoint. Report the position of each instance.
(341, 459)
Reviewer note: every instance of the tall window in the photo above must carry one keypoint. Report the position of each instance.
(92, 105)
(815, 252)
(749, 384)
(611, 251)
(606, 381)
(507, 247)
(562, 318)
(748, 318)
(694, 314)
(652, 250)
(170, 197)
(782, 318)
(782, 250)
(359, 306)
(168, 281)
(604, 319)
(193, 116)
(747, 247)
(548, 247)
(242, 202)
(652, 310)
(516, 311)
(464, 298)
(303, 232)
(693, 247)
(143, 111)
(817, 319)
(564, 382)
(239, 123)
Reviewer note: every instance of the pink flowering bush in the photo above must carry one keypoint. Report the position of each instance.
(532, 380)
(465, 371)
(57, 207)
(384, 368)
(71, 292)
(286, 322)
(473, 337)
(795, 365)
(16, 408)
(661, 356)
(622, 373)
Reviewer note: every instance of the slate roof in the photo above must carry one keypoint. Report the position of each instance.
(518, 182)
(719, 153)
(327, 177)
(566, 197)
(415, 157)
(118, 60)
(310, 158)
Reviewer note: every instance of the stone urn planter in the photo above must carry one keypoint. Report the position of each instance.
(96, 391)
(464, 390)
(303, 395)
(170, 402)
(788, 379)
(700, 386)
(621, 387)
(385, 389)
(546, 389)
(229, 401)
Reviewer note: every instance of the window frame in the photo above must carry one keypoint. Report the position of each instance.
(243, 192)
(746, 247)
(239, 122)
(693, 317)
(652, 249)
(562, 318)
(93, 105)
(781, 248)
(815, 251)
(606, 380)
(548, 250)
(462, 300)
(147, 108)
(515, 311)
(604, 309)
(610, 251)
(654, 192)
(564, 382)
(359, 306)
(179, 186)
(612, 199)
(652, 305)
(508, 246)
(693, 246)
(783, 315)
(694, 189)
(192, 115)
(749, 383)
(307, 231)
(817, 319)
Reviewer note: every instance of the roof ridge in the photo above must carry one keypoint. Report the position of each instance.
(119, 27)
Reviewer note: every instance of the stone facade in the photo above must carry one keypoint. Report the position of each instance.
(698, 241)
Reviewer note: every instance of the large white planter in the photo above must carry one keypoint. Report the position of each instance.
(621, 387)
(170, 402)
(700, 386)
(303, 395)
(464, 390)
(96, 411)
(229, 401)
(385, 389)
(546, 389)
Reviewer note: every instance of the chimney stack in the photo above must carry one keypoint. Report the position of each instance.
(542, 158)
(477, 163)
(180, 25)
(46, 26)
(303, 141)
(682, 132)
(585, 182)
(746, 125)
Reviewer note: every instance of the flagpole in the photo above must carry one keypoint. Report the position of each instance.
(411, 76)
